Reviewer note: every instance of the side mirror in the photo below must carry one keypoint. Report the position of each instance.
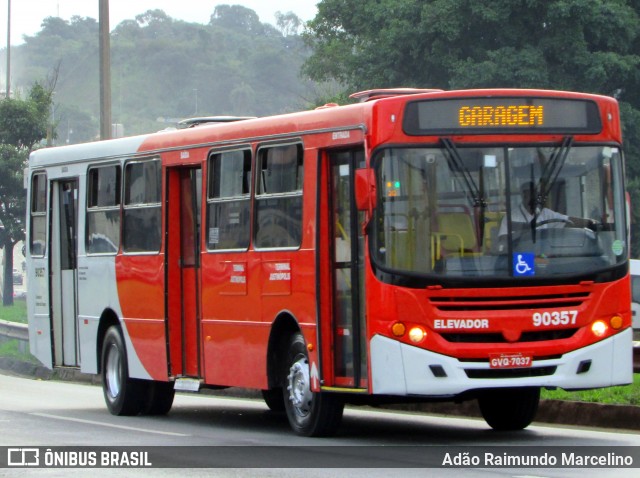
(365, 189)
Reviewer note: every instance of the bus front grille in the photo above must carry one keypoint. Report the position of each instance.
(487, 304)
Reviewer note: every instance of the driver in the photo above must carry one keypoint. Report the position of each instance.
(545, 218)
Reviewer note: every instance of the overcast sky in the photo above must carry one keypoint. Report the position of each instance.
(27, 15)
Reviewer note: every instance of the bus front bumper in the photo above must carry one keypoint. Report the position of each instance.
(403, 370)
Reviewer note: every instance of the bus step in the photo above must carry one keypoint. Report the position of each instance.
(186, 384)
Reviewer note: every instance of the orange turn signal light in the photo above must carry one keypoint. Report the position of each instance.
(616, 322)
(398, 329)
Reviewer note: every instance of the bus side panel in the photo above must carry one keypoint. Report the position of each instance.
(38, 310)
(234, 339)
(236, 326)
(97, 292)
(140, 281)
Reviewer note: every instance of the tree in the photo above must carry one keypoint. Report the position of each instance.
(581, 45)
(570, 44)
(237, 17)
(288, 23)
(23, 123)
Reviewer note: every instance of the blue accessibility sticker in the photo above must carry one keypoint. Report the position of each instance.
(524, 264)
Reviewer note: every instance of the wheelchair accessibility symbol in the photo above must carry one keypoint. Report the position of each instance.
(523, 264)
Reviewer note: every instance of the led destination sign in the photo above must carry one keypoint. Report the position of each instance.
(501, 115)
(510, 115)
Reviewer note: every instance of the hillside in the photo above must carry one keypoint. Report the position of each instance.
(165, 69)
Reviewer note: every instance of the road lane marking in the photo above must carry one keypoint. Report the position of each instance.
(102, 424)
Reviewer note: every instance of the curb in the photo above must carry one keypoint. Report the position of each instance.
(559, 412)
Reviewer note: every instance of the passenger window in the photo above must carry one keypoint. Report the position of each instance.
(103, 210)
(38, 227)
(279, 197)
(228, 200)
(142, 207)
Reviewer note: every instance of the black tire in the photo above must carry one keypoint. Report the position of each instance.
(309, 413)
(509, 409)
(123, 395)
(274, 399)
(159, 398)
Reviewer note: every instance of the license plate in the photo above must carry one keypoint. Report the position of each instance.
(510, 360)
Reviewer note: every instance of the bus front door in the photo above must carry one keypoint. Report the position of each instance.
(184, 186)
(64, 272)
(349, 331)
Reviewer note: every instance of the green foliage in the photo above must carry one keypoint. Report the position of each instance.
(585, 45)
(580, 45)
(12, 197)
(23, 123)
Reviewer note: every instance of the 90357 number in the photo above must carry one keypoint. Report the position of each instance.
(564, 317)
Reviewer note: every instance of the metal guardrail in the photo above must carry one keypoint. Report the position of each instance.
(13, 330)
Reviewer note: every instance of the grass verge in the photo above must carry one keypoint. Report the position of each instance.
(11, 349)
(625, 395)
(16, 312)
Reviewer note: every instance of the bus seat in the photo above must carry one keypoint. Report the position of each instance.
(456, 233)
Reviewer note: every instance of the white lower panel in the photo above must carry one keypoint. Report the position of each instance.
(400, 369)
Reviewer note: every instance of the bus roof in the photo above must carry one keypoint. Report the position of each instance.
(270, 128)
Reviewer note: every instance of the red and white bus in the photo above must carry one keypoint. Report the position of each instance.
(370, 253)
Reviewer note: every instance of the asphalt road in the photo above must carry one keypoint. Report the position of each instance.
(241, 437)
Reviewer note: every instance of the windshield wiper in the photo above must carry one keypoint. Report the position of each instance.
(551, 171)
(456, 164)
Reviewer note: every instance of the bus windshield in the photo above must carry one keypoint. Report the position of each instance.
(504, 211)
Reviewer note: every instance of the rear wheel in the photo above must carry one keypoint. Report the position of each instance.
(123, 395)
(309, 413)
(509, 409)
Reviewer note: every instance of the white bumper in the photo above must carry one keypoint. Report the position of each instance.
(400, 369)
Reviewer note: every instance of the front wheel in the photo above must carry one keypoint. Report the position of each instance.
(309, 413)
(274, 399)
(509, 409)
(123, 395)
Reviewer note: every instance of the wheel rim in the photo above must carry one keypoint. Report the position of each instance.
(112, 372)
(299, 389)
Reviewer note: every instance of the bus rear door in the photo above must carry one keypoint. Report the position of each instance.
(64, 272)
